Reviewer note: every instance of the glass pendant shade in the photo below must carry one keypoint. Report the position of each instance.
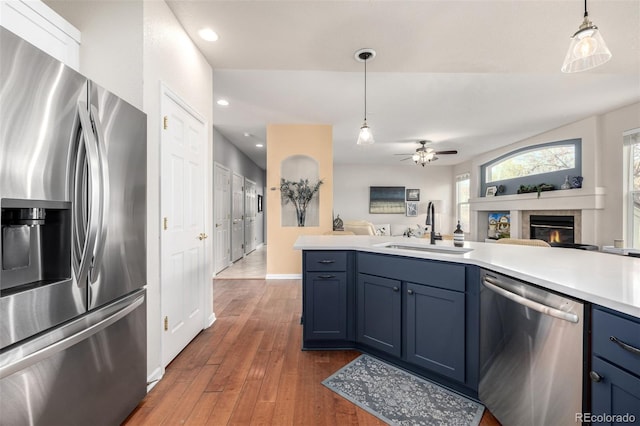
(587, 49)
(365, 137)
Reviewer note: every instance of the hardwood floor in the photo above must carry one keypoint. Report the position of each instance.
(248, 368)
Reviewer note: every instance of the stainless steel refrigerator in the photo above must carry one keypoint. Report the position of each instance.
(72, 242)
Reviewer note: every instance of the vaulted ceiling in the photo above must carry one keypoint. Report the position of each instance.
(468, 75)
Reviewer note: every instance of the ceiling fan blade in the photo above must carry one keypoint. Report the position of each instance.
(405, 159)
(403, 154)
(453, 151)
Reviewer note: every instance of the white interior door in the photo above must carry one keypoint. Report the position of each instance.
(183, 262)
(237, 217)
(222, 217)
(250, 209)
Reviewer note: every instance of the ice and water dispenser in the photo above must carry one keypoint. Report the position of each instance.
(35, 245)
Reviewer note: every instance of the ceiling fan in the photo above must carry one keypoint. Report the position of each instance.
(425, 154)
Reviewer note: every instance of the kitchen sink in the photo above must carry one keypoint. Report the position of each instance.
(425, 248)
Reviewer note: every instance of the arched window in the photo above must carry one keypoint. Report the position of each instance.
(548, 163)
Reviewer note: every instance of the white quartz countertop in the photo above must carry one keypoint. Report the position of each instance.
(605, 279)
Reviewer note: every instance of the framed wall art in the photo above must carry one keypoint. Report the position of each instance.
(386, 199)
(413, 195)
(412, 209)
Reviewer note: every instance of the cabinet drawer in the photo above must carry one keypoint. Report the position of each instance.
(449, 276)
(617, 339)
(325, 261)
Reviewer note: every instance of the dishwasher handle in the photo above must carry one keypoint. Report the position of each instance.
(494, 285)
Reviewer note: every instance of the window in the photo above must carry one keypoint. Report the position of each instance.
(632, 150)
(548, 163)
(533, 162)
(462, 200)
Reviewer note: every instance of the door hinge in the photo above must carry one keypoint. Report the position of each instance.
(165, 223)
(165, 122)
(166, 323)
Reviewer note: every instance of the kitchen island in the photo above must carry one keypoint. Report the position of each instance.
(426, 308)
(600, 278)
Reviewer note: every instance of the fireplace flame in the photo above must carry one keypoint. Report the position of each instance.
(554, 237)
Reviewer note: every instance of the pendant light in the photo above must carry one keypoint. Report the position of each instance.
(365, 137)
(587, 48)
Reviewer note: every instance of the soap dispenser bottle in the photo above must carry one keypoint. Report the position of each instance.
(458, 236)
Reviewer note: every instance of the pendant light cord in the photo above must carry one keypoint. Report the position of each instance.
(585, 9)
(365, 86)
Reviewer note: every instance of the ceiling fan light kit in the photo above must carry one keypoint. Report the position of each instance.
(424, 154)
(365, 137)
(587, 49)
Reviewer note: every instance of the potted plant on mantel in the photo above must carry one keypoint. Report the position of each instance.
(299, 194)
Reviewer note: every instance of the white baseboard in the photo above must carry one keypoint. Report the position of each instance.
(211, 320)
(283, 276)
(154, 378)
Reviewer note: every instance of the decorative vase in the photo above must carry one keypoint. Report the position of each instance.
(301, 217)
(338, 225)
(566, 184)
(576, 181)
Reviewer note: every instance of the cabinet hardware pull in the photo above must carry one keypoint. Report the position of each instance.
(625, 346)
(396, 289)
(325, 277)
(595, 377)
(410, 291)
(326, 262)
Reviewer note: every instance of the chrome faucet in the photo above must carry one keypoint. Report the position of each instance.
(431, 221)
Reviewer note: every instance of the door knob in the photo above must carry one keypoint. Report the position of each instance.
(217, 225)
(202, 236)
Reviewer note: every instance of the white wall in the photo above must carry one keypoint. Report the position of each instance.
(170, 57)
(351, 193)
(111, 46)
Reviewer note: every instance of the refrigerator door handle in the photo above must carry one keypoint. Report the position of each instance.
(21, 358)
(103, 212)
(90, 228)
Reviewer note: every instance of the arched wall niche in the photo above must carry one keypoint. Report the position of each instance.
(294, 169)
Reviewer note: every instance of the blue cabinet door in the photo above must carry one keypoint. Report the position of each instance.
(616, 394)
(325, 306)
(379, 303)
(435, 330)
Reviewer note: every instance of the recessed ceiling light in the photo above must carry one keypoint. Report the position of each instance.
(223, 102)
(247, 134)
(259, 145)
(208, 34)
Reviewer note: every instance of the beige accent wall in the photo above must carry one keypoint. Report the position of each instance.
(285, 140)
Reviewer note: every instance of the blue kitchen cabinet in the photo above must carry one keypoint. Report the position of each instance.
(615, 367)
(379, 304)
(424, 312)
(328, 305)
(435, 330)
(420, 314)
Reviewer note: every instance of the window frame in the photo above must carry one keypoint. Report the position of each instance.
(556, 178)
(460, 178)
(631, 139)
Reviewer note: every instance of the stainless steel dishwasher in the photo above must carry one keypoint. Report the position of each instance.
(531, 353)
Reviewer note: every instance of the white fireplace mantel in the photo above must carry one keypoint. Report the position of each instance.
(568, 199)
(586, 200)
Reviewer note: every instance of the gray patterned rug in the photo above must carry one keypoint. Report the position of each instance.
(400, 398)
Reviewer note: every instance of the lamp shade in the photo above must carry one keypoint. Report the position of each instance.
(365, 137)
(587, 50)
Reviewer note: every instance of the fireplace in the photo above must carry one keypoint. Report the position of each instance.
(552, 229)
